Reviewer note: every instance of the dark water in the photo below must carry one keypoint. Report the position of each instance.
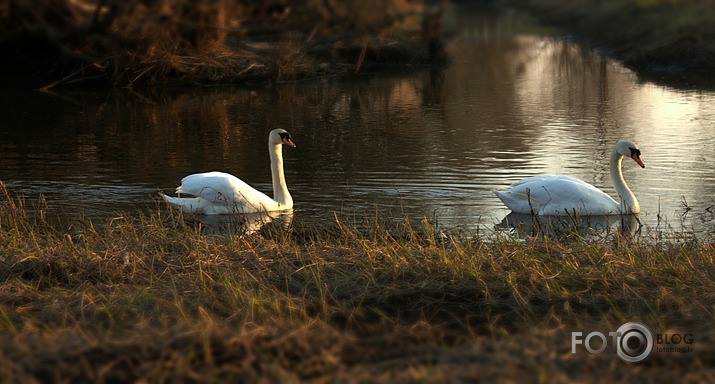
(514, 102)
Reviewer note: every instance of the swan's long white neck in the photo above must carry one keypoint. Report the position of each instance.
(280, 190)
(628, 201)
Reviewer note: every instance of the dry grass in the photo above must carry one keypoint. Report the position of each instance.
(122, 44)
(147, 297)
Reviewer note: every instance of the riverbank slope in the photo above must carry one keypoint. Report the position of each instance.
(114, 44)
(670, 38)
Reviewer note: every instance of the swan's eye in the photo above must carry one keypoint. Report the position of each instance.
(635, 151)
(284, 136)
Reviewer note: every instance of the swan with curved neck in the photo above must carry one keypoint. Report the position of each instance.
(565, 195)
(212, 193)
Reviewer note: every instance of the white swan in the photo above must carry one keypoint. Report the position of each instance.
(564, 195)
(214, 193)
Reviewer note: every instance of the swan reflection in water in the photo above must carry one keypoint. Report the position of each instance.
(241, 223)
(590, 226)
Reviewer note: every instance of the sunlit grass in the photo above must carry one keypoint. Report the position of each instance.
(145, 296)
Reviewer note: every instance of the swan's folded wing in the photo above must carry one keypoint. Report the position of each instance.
(225, 189)
(557, 195)
(548, 179)
(212, 186)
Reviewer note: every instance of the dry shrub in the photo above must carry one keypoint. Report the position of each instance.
(147, 42)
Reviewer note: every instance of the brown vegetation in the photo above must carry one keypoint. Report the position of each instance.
(119, 43)
(145, 297)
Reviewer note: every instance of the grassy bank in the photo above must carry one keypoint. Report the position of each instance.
(147, 297)
(669, 37)
(118, 44)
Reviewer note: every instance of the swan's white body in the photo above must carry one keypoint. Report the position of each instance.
(216, 193)
(566, 195)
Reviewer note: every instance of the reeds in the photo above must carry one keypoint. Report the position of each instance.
(145, 296)
(118, 44)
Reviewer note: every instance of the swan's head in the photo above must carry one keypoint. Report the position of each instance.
(280, 136)
(627, 148)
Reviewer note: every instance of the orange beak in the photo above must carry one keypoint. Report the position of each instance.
(288, 141)
(638, 160)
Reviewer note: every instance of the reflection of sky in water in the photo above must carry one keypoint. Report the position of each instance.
(422, 144)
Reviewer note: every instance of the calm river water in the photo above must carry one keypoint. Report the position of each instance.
(513, 103)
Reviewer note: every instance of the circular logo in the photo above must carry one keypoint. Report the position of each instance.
(635, 342)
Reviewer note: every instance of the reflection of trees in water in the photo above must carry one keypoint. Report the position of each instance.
(177, 131)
